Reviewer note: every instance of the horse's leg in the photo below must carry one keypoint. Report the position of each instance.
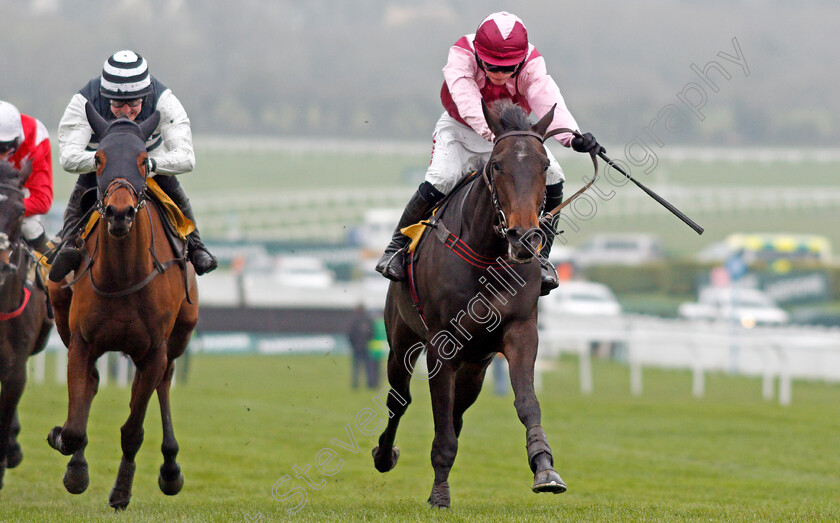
(520, 349)
(385, 455)
(468, 382)
(445, 443)
(149, 374)
(170, 479)
(82, 384)
(14, 454)
(13, 382)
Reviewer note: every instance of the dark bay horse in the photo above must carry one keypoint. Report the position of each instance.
(131, 295)
(475, 294)
(24, 323)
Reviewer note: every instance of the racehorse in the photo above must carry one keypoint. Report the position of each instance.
(24, 322)
(132, 294)
(471, 295)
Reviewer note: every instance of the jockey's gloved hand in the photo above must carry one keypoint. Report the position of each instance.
(587, 143)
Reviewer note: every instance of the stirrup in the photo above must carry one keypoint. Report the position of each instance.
(392, 269)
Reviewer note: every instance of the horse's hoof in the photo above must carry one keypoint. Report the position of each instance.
(118, 500)
(171, 487)
(14, 456)
(439, 498)
(548, 480)
(76, 477)
(385, 463)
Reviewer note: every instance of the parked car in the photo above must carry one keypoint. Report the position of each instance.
(580, 298)
(619, 249)
(749, 307)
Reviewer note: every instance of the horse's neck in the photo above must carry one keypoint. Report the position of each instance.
(478, 219)
(11, 290)
(126, 258)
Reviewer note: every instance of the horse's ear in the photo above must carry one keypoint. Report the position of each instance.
(97, 123)
(491, 118)
(542, 126)
(25, 171)
(149, 125)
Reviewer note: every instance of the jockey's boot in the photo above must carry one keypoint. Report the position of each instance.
(69, 256)
(197, 253)
(548, 274)
(392, 262)
(40, 244)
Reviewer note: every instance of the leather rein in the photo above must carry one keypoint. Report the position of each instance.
(547, 217)
(22, 251)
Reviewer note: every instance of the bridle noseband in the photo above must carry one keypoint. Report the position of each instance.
(501, 227)
(112, 187)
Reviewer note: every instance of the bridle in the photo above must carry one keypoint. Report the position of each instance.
(501, 226)
(158, 267)
(119, 183)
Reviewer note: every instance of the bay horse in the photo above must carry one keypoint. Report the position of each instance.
(134, 294)
(24, 322)
(474, 294)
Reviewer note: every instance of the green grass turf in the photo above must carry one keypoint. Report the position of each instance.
(244, 422)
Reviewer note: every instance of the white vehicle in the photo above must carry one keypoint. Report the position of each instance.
(749, 307)
(302, 271)
(619, 249)
(580, 298)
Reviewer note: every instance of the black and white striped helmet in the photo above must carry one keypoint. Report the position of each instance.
(125, 76)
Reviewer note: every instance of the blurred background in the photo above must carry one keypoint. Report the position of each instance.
(312, 124)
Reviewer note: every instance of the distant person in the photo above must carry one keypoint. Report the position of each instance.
(378, 352)
(359, 335)
(24, 139)
(125, 89)
(497, 62)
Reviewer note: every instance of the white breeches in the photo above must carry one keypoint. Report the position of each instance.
(458, 150)
(32, 227)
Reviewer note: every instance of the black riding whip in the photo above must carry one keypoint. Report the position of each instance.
(679, 214)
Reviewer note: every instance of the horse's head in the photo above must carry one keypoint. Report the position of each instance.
(516, 174)
(121, 168)
(11, 211)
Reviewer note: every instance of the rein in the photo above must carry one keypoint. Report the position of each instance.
(20, 266)
(501, 227)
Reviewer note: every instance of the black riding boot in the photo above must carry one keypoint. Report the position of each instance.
(40, 244)
(548, 274)
(198, 254)
(391, 264)
(69, 257)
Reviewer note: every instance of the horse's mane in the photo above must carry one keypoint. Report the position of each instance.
(8, 173)
(511, 116)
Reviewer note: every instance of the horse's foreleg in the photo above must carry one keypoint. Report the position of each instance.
(385, 455)
(14, 454)
(520, 349)
(170, 479)
(12, 389)
(149, 375)
(468, 382)
(445, 443)
(82, 384)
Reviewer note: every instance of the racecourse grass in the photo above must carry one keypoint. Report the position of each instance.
(244, 422)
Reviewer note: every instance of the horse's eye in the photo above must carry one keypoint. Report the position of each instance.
(495, 167)
(96, 161)
(547, 165)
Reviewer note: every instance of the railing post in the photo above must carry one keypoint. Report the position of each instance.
(585, 361)
(698, 382)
